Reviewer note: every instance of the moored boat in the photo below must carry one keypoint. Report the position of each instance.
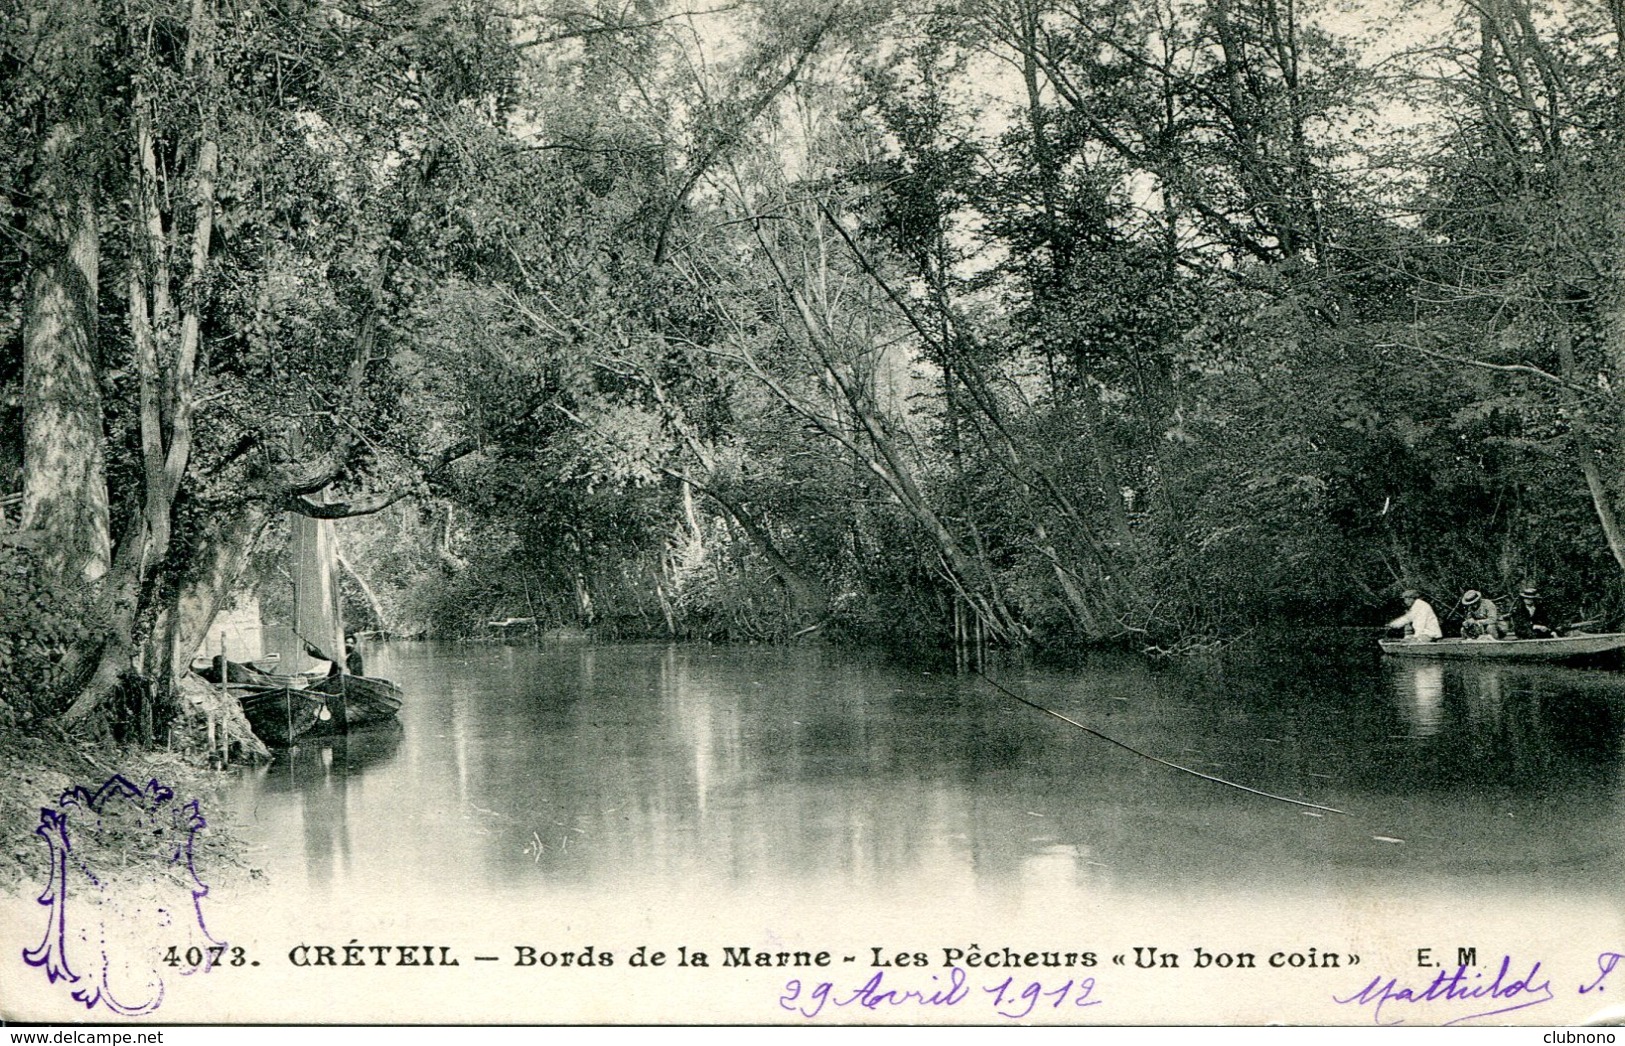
(1556, 648)
(282, 709)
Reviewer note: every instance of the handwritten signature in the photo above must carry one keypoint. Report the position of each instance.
(1606, 961)
(1006, 998)
(1462, 986)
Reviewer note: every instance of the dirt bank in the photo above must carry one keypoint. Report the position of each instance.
(37, 767)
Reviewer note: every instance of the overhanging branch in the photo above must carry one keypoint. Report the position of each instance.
(297, 503)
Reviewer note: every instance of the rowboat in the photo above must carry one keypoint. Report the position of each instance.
(282, 709)
(1557, 648)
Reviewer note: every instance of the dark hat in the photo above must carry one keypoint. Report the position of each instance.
(1469, 597)
(1410, 593)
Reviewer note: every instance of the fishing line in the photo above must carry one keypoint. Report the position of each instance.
(1146, 755)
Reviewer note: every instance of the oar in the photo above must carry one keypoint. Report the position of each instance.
(1155, 759)
(311, 648)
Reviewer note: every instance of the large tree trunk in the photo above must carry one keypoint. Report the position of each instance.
(64, 482)
(166, 330)
(122, 597)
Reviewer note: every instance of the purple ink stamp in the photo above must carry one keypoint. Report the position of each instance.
(124, 897)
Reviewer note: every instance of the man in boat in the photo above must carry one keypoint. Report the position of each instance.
(1420, 623)
(1530, 618)
(1483, 618)
(353, 663)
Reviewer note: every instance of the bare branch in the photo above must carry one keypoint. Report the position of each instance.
(1506, 368)
(606, 26)
(752, 113)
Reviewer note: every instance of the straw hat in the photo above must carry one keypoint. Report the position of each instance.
(1470, 597)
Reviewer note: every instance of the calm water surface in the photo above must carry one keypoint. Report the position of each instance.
(566, 794)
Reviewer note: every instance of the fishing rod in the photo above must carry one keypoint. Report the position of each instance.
(1146, 755)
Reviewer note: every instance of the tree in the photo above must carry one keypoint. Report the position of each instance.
(1524, 208)
(288, 179)
(64, 486)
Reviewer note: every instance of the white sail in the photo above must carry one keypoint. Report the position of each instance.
(315, 586)
(316, 620)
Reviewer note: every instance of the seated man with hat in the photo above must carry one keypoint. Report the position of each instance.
(1483, 619)
(1420, 623)
(1530, 617)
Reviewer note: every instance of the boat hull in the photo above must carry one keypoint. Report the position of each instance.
(280, 715)
(1559, 648)
(356, 701)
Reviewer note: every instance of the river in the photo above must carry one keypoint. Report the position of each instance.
(554, 797)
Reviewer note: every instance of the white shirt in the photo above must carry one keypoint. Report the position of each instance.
(1421, 621)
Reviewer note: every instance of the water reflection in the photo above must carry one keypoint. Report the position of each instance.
(1420, 690)
(319, 773)
(1528, 719)
(784, 770)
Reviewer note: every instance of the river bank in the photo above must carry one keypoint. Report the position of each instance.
(36, 769)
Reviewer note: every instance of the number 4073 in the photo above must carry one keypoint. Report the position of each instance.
(207, 957)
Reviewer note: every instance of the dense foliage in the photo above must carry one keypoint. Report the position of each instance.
(1060, 322)
(1033, 322)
